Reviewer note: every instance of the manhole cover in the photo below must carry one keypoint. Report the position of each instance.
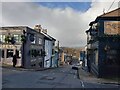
(47, 78)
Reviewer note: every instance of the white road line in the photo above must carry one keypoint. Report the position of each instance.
(14, 70)
(82, 84)
(74, 76)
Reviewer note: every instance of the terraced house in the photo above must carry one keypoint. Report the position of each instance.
(27, 43)
(103, 45)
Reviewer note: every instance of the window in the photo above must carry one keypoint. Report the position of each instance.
(53, 44)
(9, 53)
(1, 53)
(17, 38)
(53, 51)
(2, 38)
(112, 57)
(18, 53)
(33, 42)
(40, 41)
(96, 57)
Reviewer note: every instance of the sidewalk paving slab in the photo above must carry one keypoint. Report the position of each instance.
(88, 77)
(24, 69)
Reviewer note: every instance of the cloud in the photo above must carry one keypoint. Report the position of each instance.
(66, 25)
(0, 14)
(16, 0)
(45, 0)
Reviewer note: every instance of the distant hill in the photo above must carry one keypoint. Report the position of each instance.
(74, 51)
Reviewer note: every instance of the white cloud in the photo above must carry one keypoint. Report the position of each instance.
(66, 25)
(45, 0)
(16, 0)
(0, 14)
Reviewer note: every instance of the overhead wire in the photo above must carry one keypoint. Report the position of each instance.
(111, 6)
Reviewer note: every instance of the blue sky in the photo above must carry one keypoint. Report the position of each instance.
(79, 6)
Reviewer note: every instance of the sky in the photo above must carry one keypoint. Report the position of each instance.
(66, 21)
(78, 6)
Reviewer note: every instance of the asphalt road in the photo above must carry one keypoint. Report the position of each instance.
(62, 77)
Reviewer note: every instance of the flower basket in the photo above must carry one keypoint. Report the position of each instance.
(23, 38)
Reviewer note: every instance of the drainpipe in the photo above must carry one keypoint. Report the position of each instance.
(58, 53)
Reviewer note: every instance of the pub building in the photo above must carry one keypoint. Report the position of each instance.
(27, 43)
(103, 45)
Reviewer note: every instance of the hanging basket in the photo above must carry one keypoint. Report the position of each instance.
(7, 39)
(23, 38)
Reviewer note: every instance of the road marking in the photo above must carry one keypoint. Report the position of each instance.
(14, 70)
(74, 76)
(82, 84)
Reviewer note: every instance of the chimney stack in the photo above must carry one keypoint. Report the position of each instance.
(44, 31)
(38, 28)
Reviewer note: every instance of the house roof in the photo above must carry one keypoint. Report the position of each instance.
(13, 27)
(48, 37)
(114, 13)
(17, 28)
(91, 23)
(21, 27)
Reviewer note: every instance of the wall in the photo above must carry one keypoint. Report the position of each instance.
(48, 50)
(30, 60)
(5, 46)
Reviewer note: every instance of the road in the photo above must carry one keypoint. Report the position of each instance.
(62, 77)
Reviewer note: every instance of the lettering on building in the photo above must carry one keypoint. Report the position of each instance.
(112, 27)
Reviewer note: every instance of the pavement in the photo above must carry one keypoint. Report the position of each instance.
(24, 69)
(86, 76)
